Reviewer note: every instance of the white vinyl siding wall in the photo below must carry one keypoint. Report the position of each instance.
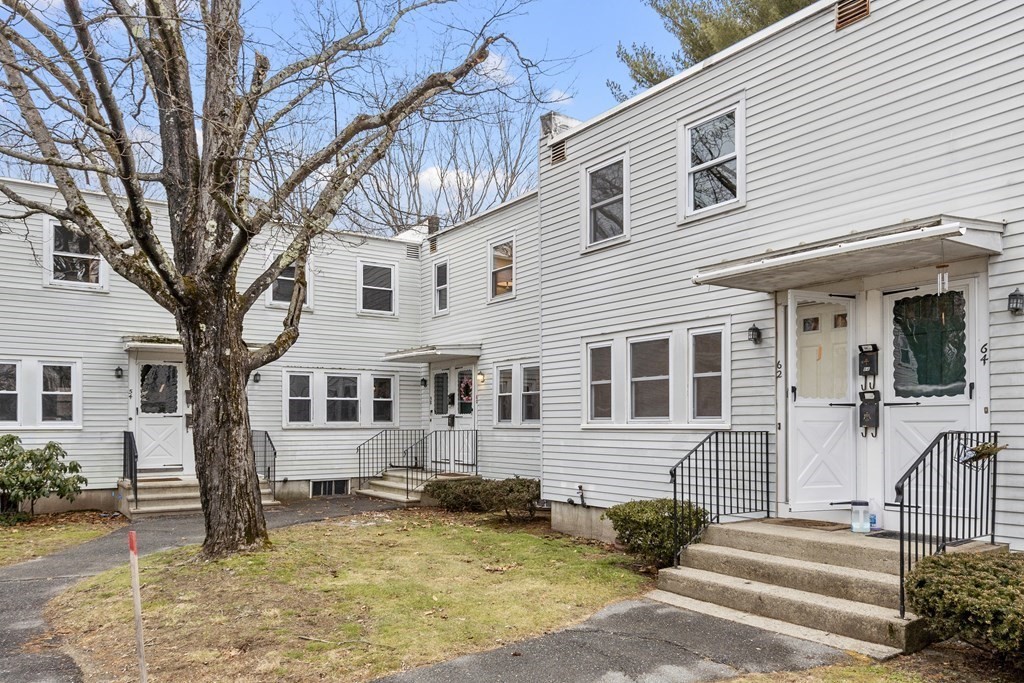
(908, 113)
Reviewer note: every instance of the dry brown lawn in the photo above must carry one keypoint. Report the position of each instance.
(47, 534)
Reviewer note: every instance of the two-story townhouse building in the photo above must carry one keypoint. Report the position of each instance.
(717, 252)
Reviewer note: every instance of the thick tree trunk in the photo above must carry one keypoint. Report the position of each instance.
(216, 358)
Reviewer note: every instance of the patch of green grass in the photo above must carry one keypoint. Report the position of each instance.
(347, 600)
(47, 534)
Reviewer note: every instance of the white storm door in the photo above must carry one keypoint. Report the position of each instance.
(160, 415)
(822, 407)
(930, 382)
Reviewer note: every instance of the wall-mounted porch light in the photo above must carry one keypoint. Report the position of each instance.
(256, 377)
(118, 372)
(1015, 302)
(754, 334)
(480, 377)
(423, 382)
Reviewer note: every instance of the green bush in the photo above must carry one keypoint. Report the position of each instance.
(646, 527)
(517, 497)
(31, 474)
(978, 598)
(459, 495)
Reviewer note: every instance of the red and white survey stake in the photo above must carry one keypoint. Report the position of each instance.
(133, 558)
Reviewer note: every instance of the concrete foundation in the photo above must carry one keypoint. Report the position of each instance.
(293, 489)
(104, 500)
(577, 520)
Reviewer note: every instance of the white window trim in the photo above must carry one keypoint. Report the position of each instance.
(490, 269)
(585, 172)
(517, 421)
(360, 263)
(684, 212)
(680, 378)
(448, 285)
(48, 253)
(318, 393)
(268, 296)
(19, 392)
(672, 377)
(726, 375)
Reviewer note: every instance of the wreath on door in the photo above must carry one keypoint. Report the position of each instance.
(466, 390)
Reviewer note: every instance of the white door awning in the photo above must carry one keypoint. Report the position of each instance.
(437, 353)
(929, 242)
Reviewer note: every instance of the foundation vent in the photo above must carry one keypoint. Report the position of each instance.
(412, 251)
(558, 152)
(328, 487)
(851, 11)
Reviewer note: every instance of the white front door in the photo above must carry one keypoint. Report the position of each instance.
(929, 380)
(453, 409)
(823, 411)
(160, 423)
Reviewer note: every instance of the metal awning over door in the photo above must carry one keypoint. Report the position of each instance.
(929, 242)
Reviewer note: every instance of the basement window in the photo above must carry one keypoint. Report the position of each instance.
(328, 487)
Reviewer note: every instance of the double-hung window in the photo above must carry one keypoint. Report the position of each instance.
(383, 400)
(505, 395)
(650, 379)
(342, 398)
(502, 268)
(607, 202)
(377, 288)
(441, 288)
(517, 394)
(300, 398)
(600, 360)
(706, 375)
(8, 392)
(58, 394)
(714, 162)
(72, 260)
(280, 294)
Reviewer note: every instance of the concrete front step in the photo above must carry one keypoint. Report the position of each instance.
(180, 507)
(875, 588)
(838, 548)
(848, 618)
(386, 495)
(172, 496)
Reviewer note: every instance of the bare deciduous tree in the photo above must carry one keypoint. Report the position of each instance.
(174, 98)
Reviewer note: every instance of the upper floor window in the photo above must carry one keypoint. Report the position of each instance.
(280, 294)
(714, 163)
(441, 287)
(72, 260)
(377, 291)
(502, 269)
(607, 205)
(8, 392)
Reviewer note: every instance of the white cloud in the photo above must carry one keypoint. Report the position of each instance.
(560, 96)
(496, 68)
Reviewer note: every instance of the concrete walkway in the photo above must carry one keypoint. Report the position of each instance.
(26, 588)
(642, 641)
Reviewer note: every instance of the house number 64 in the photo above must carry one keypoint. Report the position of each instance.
(984, 354)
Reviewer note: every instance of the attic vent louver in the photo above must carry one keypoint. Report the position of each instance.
(558, 152)
(433, 245)
(412, 251)
(850, 11)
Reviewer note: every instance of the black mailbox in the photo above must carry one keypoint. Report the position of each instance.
(869, 411)
(867, 365)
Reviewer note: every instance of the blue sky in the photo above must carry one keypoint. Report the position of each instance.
(589, 29)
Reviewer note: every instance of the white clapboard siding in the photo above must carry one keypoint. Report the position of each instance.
(912, 112)
(507, 330)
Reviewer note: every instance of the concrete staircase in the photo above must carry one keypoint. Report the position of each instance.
(171, 496)
(391, 486)
(832, 581)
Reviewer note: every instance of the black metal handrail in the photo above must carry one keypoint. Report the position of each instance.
(130, 463)
(265, 457)
(446, 451)
(947, 496)
(384, 450)
(726, 474)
